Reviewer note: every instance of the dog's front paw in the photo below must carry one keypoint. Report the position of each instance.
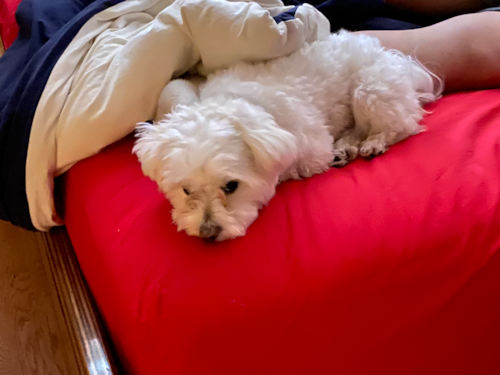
(343, 155)
(373, 147)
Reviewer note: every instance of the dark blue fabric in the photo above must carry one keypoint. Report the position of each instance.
(286, 16)
(46, 29)
(365, 15)
(382, 23)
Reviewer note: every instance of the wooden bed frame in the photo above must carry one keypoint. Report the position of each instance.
(88, 338)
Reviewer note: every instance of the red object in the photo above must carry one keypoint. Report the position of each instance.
(8, 25)
(389, 266)
(383, 267)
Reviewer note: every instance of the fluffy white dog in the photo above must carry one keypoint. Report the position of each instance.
(223, 148)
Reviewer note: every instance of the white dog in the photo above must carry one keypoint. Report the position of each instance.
(222, 150)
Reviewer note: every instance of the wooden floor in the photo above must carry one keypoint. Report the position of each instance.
(34, 337)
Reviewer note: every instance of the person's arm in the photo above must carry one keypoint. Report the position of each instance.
(438, 7)
(463, 50)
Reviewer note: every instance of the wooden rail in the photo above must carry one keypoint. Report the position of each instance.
(86, 331)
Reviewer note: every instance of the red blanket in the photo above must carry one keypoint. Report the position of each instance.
(389, 266)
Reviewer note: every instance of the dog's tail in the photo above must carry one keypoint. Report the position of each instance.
(429, 86)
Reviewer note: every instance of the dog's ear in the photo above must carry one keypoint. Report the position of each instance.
(155, 146)
(274, 149)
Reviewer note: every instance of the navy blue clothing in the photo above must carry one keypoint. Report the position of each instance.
(285, 16)
(46, 29)
(365, 15)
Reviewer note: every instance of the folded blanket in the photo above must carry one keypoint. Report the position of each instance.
(82, 73)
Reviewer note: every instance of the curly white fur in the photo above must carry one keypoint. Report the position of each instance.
(220, 153)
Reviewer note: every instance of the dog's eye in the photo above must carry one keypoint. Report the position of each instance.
(230, 187)
(186, 191)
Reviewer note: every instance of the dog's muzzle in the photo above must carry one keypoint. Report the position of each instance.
(210, 230)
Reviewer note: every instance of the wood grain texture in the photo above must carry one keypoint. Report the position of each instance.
(81, 317)
(48, 323)
(33, 338)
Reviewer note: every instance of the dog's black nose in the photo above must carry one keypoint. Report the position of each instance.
(210, 239)
(210, 230)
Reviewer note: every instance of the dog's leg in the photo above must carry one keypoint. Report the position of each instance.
(178, 91)
(386, 122)
(385, 128)
(346, 148)
(386, 109)
(377, 144)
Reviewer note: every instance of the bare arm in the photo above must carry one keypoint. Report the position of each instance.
(438, 7)
(464, 50)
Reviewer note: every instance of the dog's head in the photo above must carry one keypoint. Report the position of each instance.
(218, 164)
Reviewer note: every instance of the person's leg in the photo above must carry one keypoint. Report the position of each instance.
(463, 50)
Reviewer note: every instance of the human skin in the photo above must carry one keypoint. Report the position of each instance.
(463, 50)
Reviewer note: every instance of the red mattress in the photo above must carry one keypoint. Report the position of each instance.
(389, 266)
(8, 24)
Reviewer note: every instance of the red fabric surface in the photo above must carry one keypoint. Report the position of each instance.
(8, 25)
(383, 267)
(389, 266)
